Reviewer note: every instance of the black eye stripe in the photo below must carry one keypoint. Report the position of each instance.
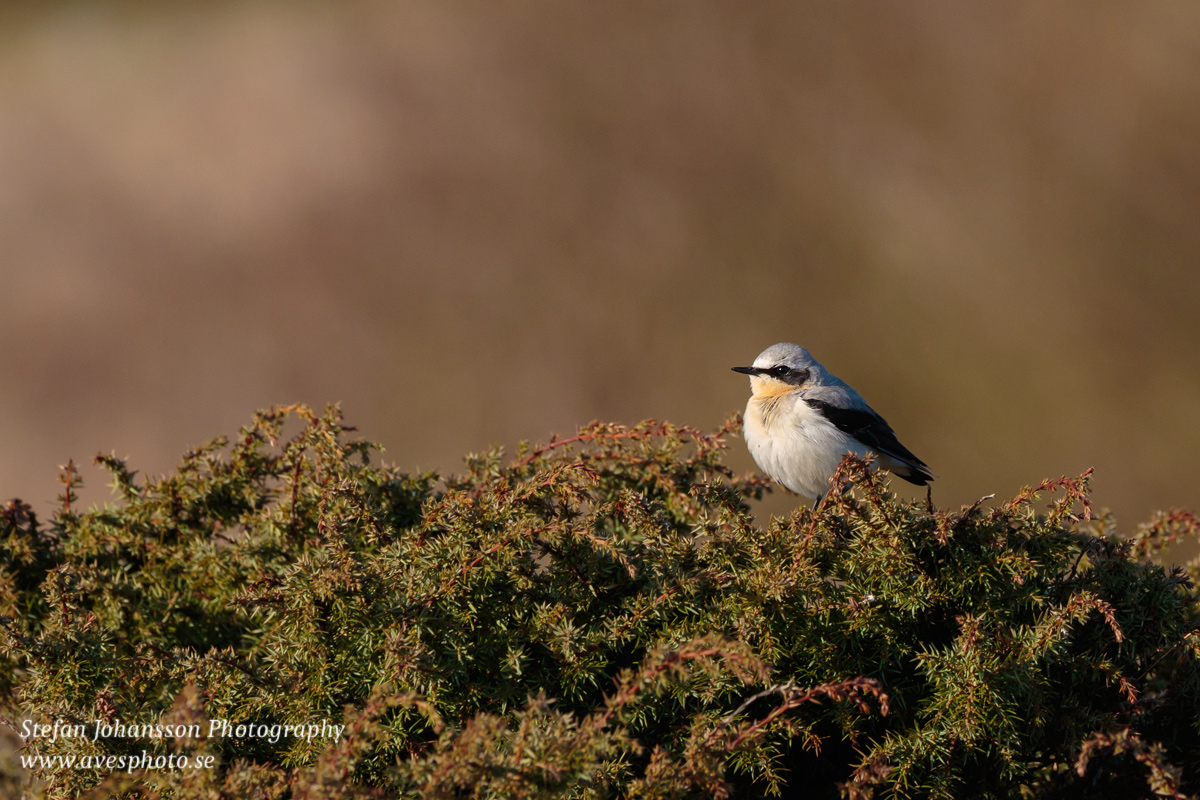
(796, 377)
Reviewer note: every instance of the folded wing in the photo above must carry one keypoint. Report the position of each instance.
(872, 430)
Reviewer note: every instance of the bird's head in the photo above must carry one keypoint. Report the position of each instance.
(780, 369)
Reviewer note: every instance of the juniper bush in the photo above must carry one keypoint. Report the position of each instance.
(599, 616)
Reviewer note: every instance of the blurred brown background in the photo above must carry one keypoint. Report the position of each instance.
(477, 223)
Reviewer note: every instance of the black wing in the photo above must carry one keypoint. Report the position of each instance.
(872, 430)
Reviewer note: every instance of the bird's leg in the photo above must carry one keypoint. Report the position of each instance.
(814, 513)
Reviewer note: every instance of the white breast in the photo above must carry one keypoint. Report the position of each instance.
(794, 444)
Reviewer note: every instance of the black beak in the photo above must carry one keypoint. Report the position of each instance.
(747, 370)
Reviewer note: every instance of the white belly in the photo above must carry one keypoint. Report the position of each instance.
(794, 444)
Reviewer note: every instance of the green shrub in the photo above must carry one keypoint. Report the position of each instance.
(598, 617)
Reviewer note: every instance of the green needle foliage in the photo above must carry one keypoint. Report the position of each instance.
(598, 617)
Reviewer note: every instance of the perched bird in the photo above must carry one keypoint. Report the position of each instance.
(801, 420)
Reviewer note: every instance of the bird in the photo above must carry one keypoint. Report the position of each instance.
(801, 420)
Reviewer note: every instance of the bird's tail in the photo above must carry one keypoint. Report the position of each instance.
(915, 473)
